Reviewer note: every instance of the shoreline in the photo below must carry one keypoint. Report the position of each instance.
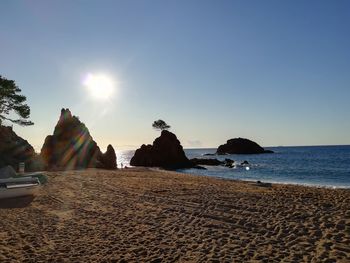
(151, 215)
(268, 181)
(209, 176)
(203, 175)
(319, 166)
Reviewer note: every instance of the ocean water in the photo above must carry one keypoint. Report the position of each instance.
(306, 165)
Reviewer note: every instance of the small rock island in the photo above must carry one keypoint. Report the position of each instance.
(240, 146)
(166, 152)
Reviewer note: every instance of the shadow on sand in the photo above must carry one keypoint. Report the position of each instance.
(18, 202)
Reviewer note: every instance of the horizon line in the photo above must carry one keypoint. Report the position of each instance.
(312, 145)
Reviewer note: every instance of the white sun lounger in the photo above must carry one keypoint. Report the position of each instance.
(16, 187)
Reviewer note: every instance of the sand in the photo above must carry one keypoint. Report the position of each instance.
(143, 215)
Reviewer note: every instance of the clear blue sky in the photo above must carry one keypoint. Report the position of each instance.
(277, 72)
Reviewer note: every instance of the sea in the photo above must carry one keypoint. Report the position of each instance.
(321, 166)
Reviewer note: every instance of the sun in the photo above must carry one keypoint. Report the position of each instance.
(100, 86)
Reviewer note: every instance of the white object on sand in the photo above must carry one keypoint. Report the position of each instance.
(21, 168)
(16, 187)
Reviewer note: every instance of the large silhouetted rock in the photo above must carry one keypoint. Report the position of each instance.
(14, 150)
(71, 145)
(165, 152)
(109, 158)
(241, 146)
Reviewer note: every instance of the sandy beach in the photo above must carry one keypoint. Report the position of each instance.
(144, 215)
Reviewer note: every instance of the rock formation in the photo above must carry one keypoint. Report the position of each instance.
(165, 152)
(109, 159)
(71, 145)
(212, 162)
(14, 150)
(203, 161)
(241, 146)
(229, 163)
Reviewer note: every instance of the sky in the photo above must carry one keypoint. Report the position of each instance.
(276, 72)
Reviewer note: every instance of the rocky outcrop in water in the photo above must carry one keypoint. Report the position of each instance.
(165, 152)
(229, 163)
(241, 146)
(212, 162)
(71, 145)
(109, 159)
(14, 150)
(203, 161)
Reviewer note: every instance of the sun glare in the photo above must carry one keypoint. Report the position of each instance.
(99, 86)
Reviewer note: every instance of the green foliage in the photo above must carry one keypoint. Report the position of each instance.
(160, 125)
(11, 100)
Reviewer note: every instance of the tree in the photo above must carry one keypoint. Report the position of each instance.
(12, 101)
(160, 125)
